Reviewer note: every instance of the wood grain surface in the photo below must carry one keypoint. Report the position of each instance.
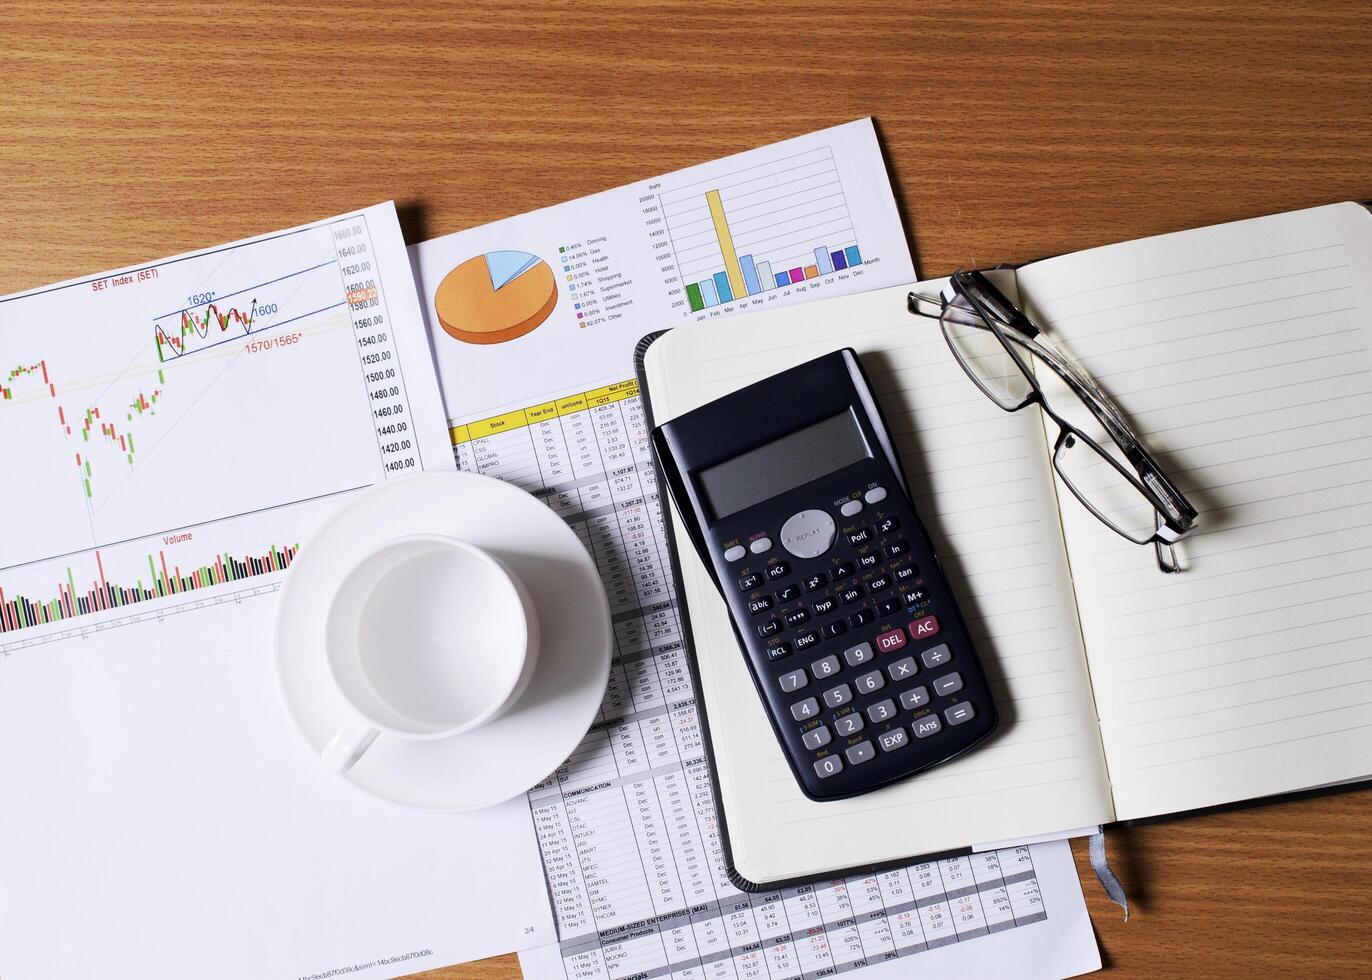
(1013, 130)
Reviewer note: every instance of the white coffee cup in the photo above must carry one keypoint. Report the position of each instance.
(426, 638)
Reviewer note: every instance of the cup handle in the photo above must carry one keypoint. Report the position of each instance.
(345, 748)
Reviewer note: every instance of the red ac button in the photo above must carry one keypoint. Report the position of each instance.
(922, 629)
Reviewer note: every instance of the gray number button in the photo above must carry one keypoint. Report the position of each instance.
(817, 738)
(915, 698)
(870, 682)
(804, 710)
(839, 696)
(858, 655)
(860, 753)
(959, 713)
(892, 740)
(849, 724)
(830, 765)
(903, 668)
(827, 667)
(948, 684)
(927, 726)
(882, 710)
(793, 680)
(936, 656)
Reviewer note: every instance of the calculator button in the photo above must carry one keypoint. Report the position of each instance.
(902, 669)
(879, 584)
(893, 640)
(858, 655)
(830, 630)
(802, 710)
(887, 526)
(861, 618)
(817, 738)
(806, 640)
(875, 495)
(779, 651)
(814, 583)
(850, 508)
(936, 656)
(869, 561)
(830, 765)
(825, 667)
(796, 617)
(735, 553)
(892, 740)
(861, 536)
(787, 593)
(779, 570)
(914, 698)
(825, 605)
(759, 605)
(749, 582)
(760, 546)
(768, 628)
(915, 597)
(905, 573)
(792, 680)
(948, 684)
(842, 570)
(808, 534)
(869, 682)
(837, 697)
(882, 710)
(849, 724)
(849, 594)
(860, 753)
(959, 713)
(929, 725)
(887, 606)
(897, 548)
(922, 629)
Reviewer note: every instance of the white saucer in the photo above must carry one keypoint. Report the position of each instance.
(517, 750)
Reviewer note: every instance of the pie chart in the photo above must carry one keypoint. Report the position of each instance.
(495, 297)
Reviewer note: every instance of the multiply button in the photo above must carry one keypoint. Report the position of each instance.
(808, 534)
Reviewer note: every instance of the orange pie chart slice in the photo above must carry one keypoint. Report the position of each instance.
(495, 297)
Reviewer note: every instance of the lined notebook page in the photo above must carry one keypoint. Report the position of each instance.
(981, 484)
(1241, 354)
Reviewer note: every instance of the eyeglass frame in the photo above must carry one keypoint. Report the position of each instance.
(1174, 515)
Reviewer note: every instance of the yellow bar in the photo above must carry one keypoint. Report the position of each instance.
(460, 434)
(541, 413)
(726, 245)
(571, 404)
(612, 393)
(498, 423)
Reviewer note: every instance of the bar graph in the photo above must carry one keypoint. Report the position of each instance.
(761, 229)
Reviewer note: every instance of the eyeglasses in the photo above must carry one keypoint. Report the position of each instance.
(1096, 454)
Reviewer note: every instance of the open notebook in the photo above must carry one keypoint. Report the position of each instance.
(1241, 354)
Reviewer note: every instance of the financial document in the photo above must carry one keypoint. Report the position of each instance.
(539, 391)
(174, 433)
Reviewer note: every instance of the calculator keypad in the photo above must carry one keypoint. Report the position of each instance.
(880, 674)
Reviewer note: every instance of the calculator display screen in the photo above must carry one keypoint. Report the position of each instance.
(783, 464)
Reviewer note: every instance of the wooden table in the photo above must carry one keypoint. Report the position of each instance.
(1013, 130)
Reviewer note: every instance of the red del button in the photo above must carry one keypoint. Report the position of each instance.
(893, 640)
(922, 629)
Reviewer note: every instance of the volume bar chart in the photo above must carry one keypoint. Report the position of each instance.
(69, 600)
(761, 229)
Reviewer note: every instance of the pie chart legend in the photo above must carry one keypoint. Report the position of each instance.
(496, 297)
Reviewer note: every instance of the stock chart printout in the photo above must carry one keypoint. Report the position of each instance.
(173, 432)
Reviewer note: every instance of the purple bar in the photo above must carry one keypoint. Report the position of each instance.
(840, 261)
(797, 274)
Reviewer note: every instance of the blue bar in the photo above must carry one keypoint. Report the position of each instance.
(840, 260)
(783, 279)
(853, 255)
(707, 293)
(822, 260)
(722, 284)
(749, 274)
(764, 275)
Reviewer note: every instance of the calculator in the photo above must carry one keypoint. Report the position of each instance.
(792, 493)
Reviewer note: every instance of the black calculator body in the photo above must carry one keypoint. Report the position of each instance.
(792, 493)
